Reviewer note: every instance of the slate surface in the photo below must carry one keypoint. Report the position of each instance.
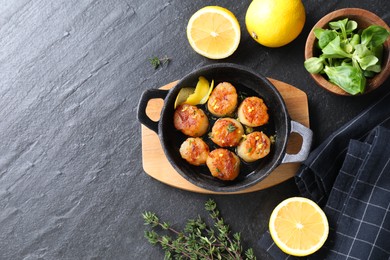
(71, 73)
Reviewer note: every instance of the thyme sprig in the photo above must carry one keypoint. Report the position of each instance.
(157, 62)
(197, 240)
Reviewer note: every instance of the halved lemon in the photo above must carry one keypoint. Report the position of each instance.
(214, 32)
(298, 226)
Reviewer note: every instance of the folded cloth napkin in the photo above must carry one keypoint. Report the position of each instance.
(317, 174)
(349, 176)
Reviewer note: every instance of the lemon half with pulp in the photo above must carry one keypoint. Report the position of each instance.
(298, 226)
(214, 32)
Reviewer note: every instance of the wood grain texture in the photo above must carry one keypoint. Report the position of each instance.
(157, 166)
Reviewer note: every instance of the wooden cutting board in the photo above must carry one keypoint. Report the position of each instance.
(157, 166)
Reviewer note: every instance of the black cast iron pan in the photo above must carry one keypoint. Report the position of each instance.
(247, 83)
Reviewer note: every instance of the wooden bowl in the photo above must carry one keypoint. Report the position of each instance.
(364, 19)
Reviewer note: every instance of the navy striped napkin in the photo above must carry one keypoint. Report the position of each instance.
(349, 176)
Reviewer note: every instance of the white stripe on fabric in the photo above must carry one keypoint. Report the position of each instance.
(362, 201)
(374, 185)
(338, 253)
(377, 235)
(365, 210)
(356, 157)
(363, 241)
(366, 222)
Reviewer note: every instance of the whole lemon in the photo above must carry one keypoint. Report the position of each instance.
(274, 23)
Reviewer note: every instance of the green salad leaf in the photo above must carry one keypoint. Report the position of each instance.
(364, 56)
(351, 26)
(314, 65)
(374, 36)
(349, 78)
(324, 36)
(355, 40)
(340, 25)
(334, 50)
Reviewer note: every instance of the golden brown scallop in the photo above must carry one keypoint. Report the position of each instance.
(190, 120)
(223, 100)
(254, 146)
(223, 164)
(194, 151)
(227, 132)
(253, 112)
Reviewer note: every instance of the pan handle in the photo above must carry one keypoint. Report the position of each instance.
(307, 136)
(143, 103)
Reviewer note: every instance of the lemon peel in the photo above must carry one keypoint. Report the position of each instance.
(195, 96)
(205, 98)
(182, 96)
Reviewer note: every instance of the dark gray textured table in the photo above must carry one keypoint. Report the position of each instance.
(72, 184)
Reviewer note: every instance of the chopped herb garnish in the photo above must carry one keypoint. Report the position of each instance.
(248, 129)
(242, 95)
(231, 128)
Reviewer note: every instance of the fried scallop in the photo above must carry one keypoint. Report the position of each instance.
(190, 120)
(223, 100)
(227, 132)
(253, 112)
(223, 164)
(254, 146)
(194, 151)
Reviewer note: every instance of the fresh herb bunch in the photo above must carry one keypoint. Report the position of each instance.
(157, 62)
(197, 240)
(349, 56)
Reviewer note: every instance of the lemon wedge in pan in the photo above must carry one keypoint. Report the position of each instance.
(195, 96)
(201, 92)
(205, 98)
(184, 93)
